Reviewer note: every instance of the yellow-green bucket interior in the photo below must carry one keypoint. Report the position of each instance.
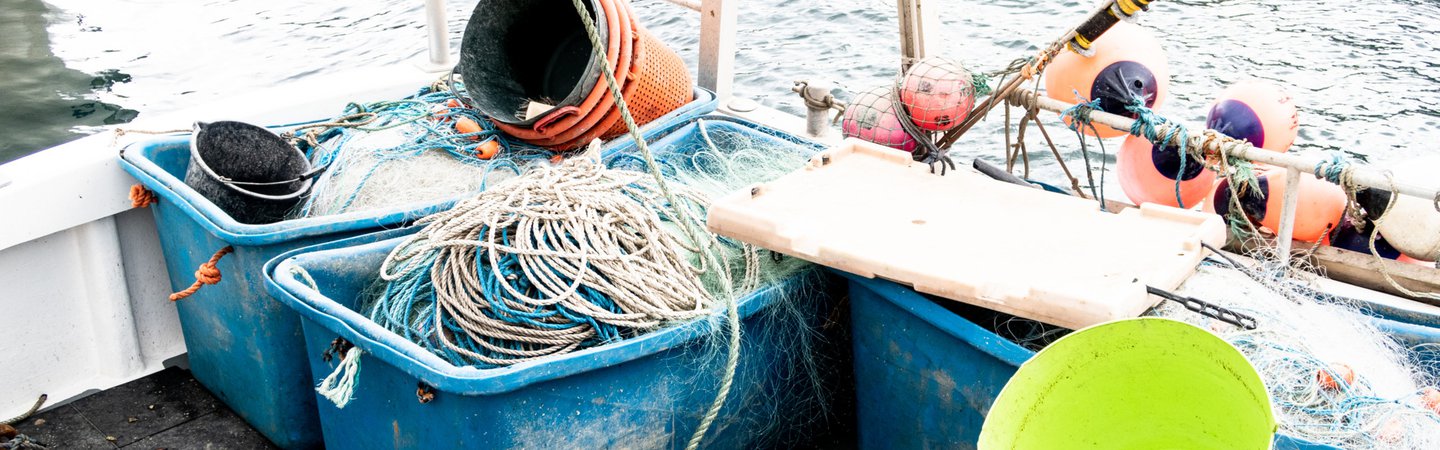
(1145, 383)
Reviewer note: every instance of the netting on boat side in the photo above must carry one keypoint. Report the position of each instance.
(424, 148)
(1333, 376)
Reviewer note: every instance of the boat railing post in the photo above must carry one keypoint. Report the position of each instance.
(916, 24)
(437, 38)
(1287, 216)
(818, 104)
(717, 46)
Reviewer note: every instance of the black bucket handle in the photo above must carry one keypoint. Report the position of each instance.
(308, 177)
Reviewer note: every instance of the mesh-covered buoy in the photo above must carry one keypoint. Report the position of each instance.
(252, 174)
(938, 93)
(871, 116)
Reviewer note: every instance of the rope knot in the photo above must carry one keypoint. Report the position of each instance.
(141, 197)
(1335, 168)
(207, 273)
(1080, 113)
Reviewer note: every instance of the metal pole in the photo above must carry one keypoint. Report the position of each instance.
(717, 46)
(1287, 215)
(438, 33)
(1362, 176)
(916, 25)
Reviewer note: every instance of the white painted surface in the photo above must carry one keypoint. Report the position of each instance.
(83, 283)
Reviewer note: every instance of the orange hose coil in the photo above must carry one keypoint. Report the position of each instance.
(653, 80)
(618, 54)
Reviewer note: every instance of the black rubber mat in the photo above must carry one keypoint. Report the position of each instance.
(168, 410)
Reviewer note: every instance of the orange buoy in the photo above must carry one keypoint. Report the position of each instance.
(1430, 398)
(1128, 63)
(1419, 262)
(1318, 209)
(1148, 174)
(937, 93)
(1328, 381)
(1256, 111)
(466, 125)
(487, 149)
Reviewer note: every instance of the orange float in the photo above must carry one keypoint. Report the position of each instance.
(1318, 209)
(465, 125)
(1407, 259)
(487, 149)
(1328, 381)
(1128, 62)
(1430, 398)
(1256, 111)
(1148, 174)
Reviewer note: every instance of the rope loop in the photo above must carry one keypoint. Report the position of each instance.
(1335, 168)
(141, 197)
(1080, 113)
(207, 273)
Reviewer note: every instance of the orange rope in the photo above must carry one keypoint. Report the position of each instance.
(141, 197)
(206, 274)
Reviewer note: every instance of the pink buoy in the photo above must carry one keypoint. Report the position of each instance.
(938, 93)
(871, 117)
(1256, 111)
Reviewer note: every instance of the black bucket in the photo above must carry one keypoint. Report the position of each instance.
(249, 172)
(515, 51)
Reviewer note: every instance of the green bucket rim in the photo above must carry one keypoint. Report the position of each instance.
(1084, 391)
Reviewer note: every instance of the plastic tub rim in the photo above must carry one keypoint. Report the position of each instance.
(220, 224)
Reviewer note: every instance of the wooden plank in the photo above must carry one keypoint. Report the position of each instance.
(1364, 270)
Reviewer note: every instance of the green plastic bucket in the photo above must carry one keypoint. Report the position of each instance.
(1145, 383)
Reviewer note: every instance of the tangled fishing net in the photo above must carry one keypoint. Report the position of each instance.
(576, 255)
(1333, 377)
(427, 147)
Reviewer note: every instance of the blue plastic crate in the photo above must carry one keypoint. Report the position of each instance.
(645, 392)
(648, 391)
(925, 376)
(243, 346)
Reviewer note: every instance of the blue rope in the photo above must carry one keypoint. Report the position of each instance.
(407, 305)
(1147, 124)
(1080, 121)
(1333, 167)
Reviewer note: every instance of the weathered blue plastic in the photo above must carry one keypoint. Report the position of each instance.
(244, 347)
(925, 376)
(645, 392)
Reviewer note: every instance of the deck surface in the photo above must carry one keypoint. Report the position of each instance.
(168, 410)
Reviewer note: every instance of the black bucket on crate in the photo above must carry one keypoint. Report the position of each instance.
(251, 173)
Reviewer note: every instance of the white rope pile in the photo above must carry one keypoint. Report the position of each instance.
(562, 256)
